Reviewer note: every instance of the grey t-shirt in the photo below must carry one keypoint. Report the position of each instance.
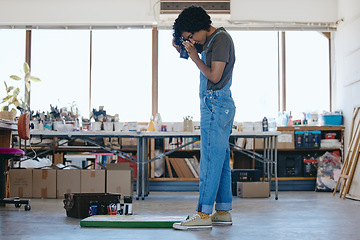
(220, 49)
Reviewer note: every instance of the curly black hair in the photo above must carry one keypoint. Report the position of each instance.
(191, 19)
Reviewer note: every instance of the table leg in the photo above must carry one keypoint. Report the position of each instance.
(144, 173)
(146, 166)
(138, 166)
(275, 168)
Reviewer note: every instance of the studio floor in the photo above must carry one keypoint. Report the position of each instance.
(296, 215)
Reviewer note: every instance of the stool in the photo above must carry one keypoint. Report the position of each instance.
(11, 154)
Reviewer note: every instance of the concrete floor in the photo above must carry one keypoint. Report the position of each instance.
(296, 215)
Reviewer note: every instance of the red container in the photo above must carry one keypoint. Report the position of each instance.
(330, 135)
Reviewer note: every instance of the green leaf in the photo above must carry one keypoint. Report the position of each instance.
(26, 68)
(5, 108)
(9, 89)
(16, 91)
(27, 77)
(15, 77)
(35, 79)
(5, 99)
(13, 100)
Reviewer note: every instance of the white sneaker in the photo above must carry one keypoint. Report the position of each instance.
(194, 223)
(223, 220)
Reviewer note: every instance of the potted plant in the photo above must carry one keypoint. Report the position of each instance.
(12, 101)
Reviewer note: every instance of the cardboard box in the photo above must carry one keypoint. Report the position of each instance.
(44, 183)
(286, 140)
(92, 181)
(119, 179)
(21, 183)
(259, 143)
(128, 142)
(68, 181)
(253, 189)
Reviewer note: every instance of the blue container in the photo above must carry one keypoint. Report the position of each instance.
(307, 139)
(333, 119)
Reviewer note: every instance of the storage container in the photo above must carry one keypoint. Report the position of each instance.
(289, 165)
(307, 139)
(77, 205)
(333, 119)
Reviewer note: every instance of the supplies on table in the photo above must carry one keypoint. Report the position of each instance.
(329, 169)
(246, 127)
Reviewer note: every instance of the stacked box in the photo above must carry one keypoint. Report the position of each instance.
(119, 179)
(92, 181)
(21, 183)
(44, 183)
(68, 181)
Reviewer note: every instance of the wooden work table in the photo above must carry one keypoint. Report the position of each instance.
(6, 127)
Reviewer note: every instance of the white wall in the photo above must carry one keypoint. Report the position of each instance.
(347, 70)
(76, 12)
(146, 12)
(347, 60)
(285, 10)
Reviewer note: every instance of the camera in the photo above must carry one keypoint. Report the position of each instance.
(183, 53)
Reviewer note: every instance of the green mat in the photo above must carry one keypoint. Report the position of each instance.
(131, 221)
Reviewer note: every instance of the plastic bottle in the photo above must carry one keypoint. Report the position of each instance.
(265, 124)
(157, 122)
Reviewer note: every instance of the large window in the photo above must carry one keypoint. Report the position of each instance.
(255, 78)
(254, 81)
(12, 57)
(60, 58)
(179, 81)
(121, 73)
(307, 72)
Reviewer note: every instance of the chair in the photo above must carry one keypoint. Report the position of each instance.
(14, 153)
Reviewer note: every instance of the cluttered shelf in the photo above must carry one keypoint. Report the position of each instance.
(308, 149)
(197, 179)
(290, 156)
(173, 179)
(310, 128)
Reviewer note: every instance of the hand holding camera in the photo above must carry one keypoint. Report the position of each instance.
(177, 43)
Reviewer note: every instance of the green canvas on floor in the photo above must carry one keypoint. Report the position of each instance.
(131, 221)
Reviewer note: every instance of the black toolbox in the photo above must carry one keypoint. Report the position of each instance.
(77, 205)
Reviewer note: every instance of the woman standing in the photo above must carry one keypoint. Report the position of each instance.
(193, 28)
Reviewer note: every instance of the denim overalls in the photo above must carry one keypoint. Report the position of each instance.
(217, 115)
